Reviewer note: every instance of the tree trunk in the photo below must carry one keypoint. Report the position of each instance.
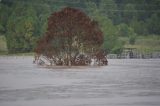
(69, 59)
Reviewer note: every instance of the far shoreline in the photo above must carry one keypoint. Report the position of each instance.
(17, 54)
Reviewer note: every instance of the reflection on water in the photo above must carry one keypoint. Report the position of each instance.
(134, 82)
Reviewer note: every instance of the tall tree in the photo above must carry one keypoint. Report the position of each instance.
(70, 31)
(20, 28)
(4, 14)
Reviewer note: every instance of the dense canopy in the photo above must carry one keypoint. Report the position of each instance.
(70, 33)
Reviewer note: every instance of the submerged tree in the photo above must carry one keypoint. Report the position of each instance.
(70, 32)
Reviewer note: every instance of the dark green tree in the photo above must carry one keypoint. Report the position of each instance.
(4, 14)
(109, 30)
(20, 29)
(154, 24)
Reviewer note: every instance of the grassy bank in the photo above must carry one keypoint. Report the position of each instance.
(3, 45)
(4, 50)
(17, 54)
(144, 43)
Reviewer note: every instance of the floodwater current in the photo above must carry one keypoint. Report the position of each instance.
(124, 82)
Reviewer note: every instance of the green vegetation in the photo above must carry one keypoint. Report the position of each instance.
(125, 23)
(3, 45)
(144, 43)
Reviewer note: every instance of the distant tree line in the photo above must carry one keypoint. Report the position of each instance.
(23, 22)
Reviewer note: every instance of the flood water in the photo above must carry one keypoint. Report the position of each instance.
(124, 82)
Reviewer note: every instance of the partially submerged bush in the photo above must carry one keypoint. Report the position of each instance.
(70, 33)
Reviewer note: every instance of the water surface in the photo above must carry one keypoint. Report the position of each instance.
(124, 82)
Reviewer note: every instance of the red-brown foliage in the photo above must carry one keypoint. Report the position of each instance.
(65, 27)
